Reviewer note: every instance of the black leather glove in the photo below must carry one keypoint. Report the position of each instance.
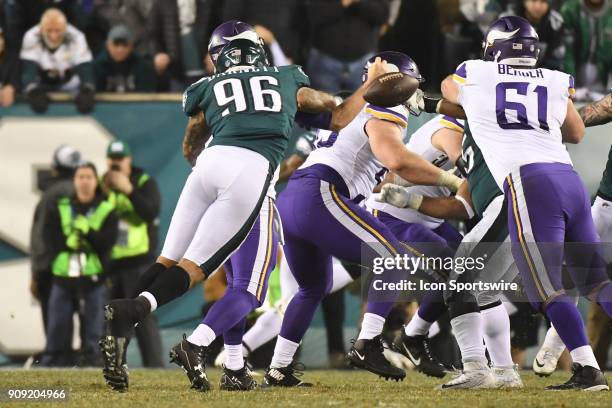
(37, 98)
(85, 99)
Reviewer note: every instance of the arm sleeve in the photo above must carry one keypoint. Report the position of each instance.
(81, 54)
(103, 240)
(314, 120)
(452, 123)
(29, 73)
(146, 200)
(53, 237)
(145, 76)
(85, 73)
(191, 100)
(300, 76)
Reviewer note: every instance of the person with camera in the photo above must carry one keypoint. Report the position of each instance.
(136, 199)
(80, 234)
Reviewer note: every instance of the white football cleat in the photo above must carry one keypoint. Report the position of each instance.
(475, 376)
(545, 362)
(508, 377)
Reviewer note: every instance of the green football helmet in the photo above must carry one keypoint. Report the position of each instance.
(241, 52)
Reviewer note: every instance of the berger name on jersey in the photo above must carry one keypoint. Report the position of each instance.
(532, 102)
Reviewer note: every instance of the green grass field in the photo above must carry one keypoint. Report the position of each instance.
(168, 388)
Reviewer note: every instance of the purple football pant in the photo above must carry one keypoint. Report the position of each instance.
(319, 222)
(549, 220)
(247, 272)
(440, 242)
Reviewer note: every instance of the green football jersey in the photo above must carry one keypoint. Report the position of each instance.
(605, 186)
(483, 187)
(251, 107)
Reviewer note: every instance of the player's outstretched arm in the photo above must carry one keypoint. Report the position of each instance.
(313, 101)
(387, 145)
(572, 130)
(419, 102)
(597, 113)
(196, 135)
(456, 208)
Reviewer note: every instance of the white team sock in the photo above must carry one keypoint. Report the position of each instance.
(417, 326)
(469, 333)
(371, 326)
(233, 356)
(283, 352)
(496, 325)
(202, 336)
(584, 356)
(553, 342)
(265, 329)
(152, 301)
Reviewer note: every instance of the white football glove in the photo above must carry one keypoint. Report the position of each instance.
(398, 196)
(416, 103)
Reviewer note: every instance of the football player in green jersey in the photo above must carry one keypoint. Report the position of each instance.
(249, 107)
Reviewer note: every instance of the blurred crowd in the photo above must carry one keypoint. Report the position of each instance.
(88, 46)
(92, 236)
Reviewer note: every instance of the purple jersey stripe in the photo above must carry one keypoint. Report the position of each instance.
(453, 121)
(389, 111)
(461, 71)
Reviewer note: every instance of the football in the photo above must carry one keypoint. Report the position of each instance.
(391, 89)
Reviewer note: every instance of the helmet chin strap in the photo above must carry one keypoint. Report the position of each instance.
(497, 55)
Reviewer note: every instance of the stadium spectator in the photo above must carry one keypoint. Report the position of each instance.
(21, 15)
(178, 30)
(80, 233)
(589, 44)
(9, 73)
(133, 14)
(119, 68)
(135, 197)
(64, 162)
(418, 19)
(55, 56)
(274, 20)
(549, 26)
(344, 36)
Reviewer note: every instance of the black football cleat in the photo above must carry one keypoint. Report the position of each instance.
(119, 325)
(285, 377)
(368, 355)
(585, 378)
(192, 359)
(237, 380)
(416, 349)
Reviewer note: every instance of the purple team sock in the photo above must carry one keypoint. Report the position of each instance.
(230, 310)
(233, 336)
(564, 315)
(432, 306)
(605, 298)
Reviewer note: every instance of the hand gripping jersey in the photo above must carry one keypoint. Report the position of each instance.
(531, 103)
(349, 154)
(249, 107)
(420, 143)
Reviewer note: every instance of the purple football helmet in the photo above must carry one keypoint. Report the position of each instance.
(228, 31)
(398, 61)
(511, 40)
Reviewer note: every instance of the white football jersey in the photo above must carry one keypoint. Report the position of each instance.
(420, 143)
(73, 51)
(514, 115)
(348, 152)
